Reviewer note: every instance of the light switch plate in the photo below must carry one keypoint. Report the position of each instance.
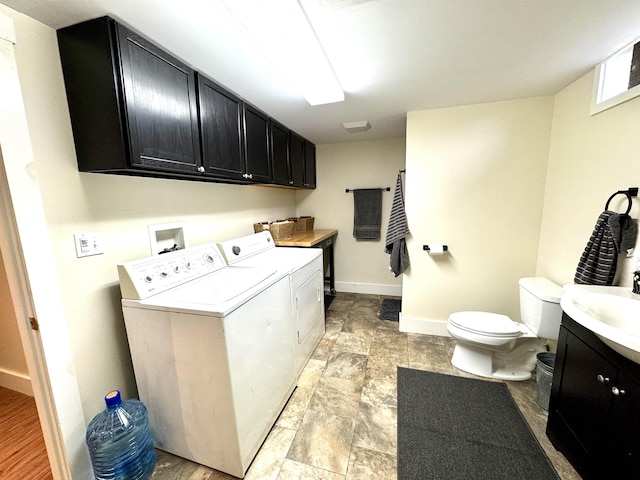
(88, 244)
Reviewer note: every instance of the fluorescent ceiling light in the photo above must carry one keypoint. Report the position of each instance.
(281, 31)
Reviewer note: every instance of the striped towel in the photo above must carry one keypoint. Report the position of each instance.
(613, 233)
(397, 232)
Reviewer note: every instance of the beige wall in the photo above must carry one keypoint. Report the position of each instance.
(361, 265)
(13, 365)
(475, 182)
(590, 158)
(120, 208)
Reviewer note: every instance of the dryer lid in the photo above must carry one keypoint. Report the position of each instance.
(486, 323)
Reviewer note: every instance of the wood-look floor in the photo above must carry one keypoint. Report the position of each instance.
(22, 451)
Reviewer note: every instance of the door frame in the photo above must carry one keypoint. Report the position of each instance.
(27, 252)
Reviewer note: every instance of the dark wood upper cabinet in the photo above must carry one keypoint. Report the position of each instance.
(137, 110)
(280, 153)
(256, 132)
(309, 164)
(296, 159)
(133, 106)
(221, 126)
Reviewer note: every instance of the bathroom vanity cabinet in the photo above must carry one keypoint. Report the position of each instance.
(594, 410)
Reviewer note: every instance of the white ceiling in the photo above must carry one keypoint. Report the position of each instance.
(391, 56)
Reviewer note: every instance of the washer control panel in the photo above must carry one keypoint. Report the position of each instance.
(146, 277)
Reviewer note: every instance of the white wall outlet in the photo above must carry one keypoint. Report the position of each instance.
(88, 244)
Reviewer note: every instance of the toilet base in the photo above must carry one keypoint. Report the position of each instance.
(514, 365)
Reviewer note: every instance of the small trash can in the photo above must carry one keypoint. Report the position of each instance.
(544, 376)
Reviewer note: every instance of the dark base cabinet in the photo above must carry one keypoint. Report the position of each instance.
(594, 410)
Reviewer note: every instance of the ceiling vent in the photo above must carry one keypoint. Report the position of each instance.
(355, 127)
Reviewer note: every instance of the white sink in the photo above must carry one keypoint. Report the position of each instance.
(612, 313)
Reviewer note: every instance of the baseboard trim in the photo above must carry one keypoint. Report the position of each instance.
(424, 326)
(370, 288)
(16, 381)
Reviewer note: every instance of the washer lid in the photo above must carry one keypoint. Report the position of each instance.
(486, 323)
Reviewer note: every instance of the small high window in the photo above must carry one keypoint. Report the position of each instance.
(617, 79)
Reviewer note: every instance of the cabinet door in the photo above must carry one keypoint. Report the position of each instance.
(160, 106)
(296, 159)
(309, 164)
(280, 154)
(257, 145)
(624, 438)
(585, 395)
(221, 127)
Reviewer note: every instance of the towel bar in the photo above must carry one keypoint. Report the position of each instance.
(388, 189)
(631, 192)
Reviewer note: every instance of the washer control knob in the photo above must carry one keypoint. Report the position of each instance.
(236, 250)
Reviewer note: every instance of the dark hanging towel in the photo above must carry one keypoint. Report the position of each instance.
(613, 233)
(367, 212)
(398, 229)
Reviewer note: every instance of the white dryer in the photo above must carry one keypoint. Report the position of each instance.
(212, 350)
(305, 269)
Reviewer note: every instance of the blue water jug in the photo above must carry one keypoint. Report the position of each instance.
(119, 441)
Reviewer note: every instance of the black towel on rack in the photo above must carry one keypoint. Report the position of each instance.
(367, 212)
(397, 231)
(613, 233)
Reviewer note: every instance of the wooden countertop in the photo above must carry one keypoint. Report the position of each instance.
(307, 238)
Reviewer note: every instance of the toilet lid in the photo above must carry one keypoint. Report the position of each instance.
(486, 323)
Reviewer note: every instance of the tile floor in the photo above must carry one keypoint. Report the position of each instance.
(340, 423)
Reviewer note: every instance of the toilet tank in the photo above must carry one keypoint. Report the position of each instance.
(540, 306)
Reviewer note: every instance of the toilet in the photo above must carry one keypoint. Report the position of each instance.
(493, 345)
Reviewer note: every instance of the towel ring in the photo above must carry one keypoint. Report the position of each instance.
(627, 194)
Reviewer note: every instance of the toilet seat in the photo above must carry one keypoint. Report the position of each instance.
(486, 324)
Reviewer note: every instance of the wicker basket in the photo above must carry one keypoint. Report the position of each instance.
(280, 229)
(302, 224)
(259, 227)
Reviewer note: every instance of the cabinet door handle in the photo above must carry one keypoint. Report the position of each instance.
(201, 169)
(603, 379)
(618, 392)
(247, 175)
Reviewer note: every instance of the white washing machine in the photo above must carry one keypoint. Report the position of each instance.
(213, 352)
(305, 269)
